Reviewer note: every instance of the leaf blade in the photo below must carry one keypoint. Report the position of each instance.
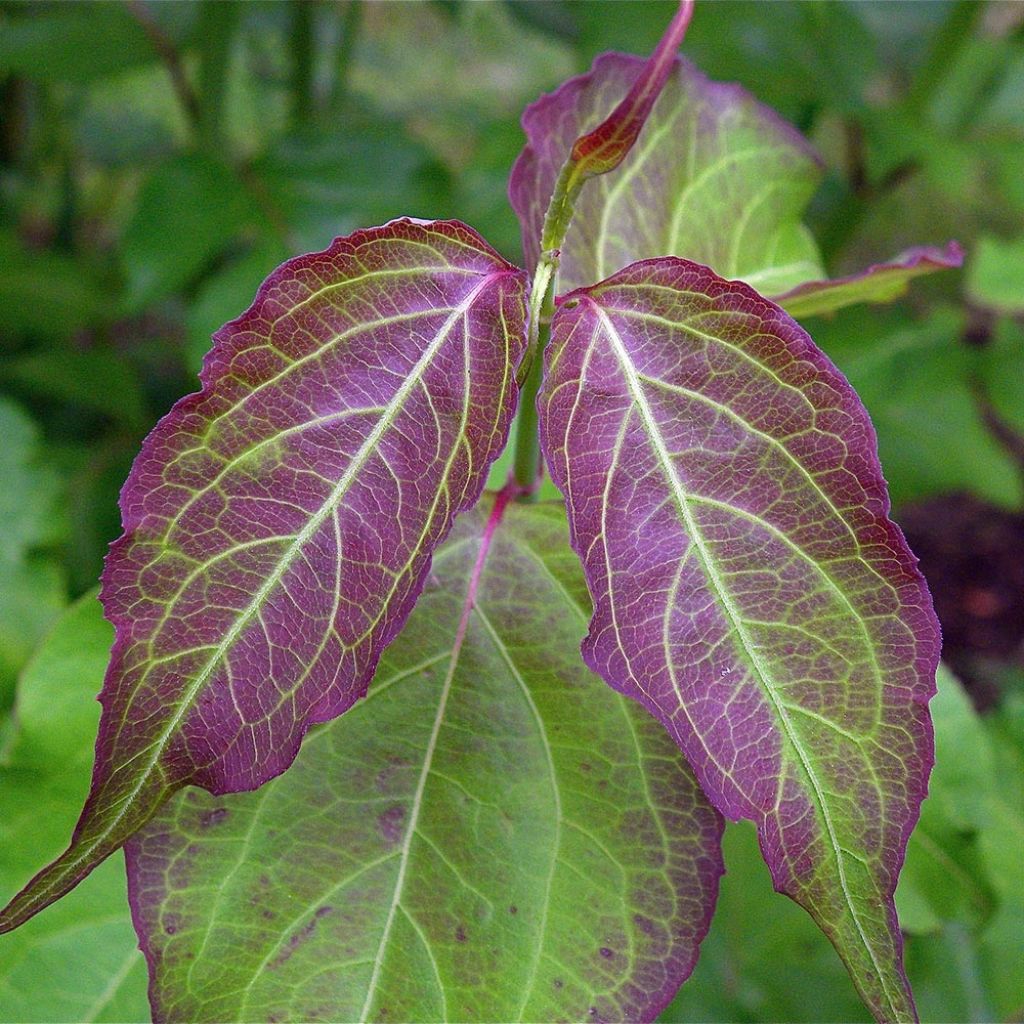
(497, 805)
(264, 565)
(693, 186)
(756, 628)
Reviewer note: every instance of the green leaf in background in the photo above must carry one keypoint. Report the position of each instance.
(943, 878)
(1002, 371)
(71, 42)
(189, 210)
(46, 293)
(327, 185)
(914, 377)
(97, 379)
(491, 835)
(80, 962)
(226, 292)
(995, 274)
(31, 586)
(764, 958)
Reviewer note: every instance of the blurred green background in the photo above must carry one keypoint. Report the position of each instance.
(158, 159)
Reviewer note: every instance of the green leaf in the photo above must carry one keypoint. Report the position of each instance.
(190, 209)
(914, 377)
(944, 878)
(80, 962)
(491, 835)
(995, 274)
(47, 293)
(763, 958)
(31, 586)
(71, 42)
(99, 379)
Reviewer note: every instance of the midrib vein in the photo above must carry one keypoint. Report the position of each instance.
(735, 620)
(351, 471)
(421, 784)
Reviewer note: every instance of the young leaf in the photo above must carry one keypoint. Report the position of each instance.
(726, 499)
(716, 177)
(279, 524)
(534, 848)
(881, 282)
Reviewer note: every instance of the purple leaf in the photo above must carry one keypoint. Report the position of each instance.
(492, 835)
(279, 524)
(715, 177)
(881, 282)
(725, 497)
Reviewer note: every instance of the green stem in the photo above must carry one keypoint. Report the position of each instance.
(350, 22)
(526, 468)
(302, 61)
(217, 21)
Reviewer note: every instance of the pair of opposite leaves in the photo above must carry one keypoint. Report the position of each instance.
(724, 497)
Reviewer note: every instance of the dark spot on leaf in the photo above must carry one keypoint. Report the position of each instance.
(268, 915)
(645, 924)
(513, 909)
(299, 938)
(390, 824)
(606, 952)
(193, 850)
(214, 817)
(171, 924)
(592, 1011)
(460, 934)
(584, 766)
(558, 983)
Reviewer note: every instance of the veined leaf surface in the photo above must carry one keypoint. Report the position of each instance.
(725, 497)
(715, 177)
(279, 524)
(492, 835)
(881, 282)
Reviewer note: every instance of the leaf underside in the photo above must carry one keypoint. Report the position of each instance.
(279, 524)
(725, 497)
(492, 834)
(715, 177)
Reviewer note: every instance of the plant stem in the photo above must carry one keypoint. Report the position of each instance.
(350, 22)
(217, 19)
(171, 59)
(302, 61)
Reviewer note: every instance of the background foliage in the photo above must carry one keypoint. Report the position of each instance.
(158, 160)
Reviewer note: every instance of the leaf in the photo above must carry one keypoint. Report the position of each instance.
(995, 275)
(726, 500)
(716, 177)
(322, 181)
(99, 379)
(80, 962)
(944, 871)
(76, 43)
(279, 524)
(200, 204)
(603, 148)
(915, 377)
(47, 293)
(763, 958)
(32, 588)
(491, 835)
(881, 282)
